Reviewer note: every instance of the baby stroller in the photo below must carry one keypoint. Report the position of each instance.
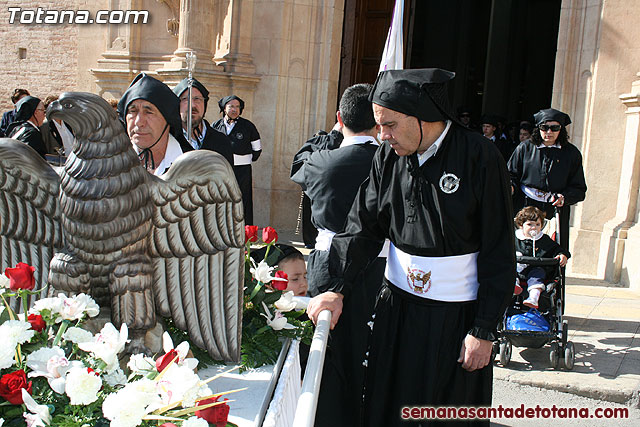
(524, 327)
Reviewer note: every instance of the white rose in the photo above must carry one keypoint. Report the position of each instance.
(82, 387)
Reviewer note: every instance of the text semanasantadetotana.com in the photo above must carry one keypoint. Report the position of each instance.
(18, 15)
(482, 412)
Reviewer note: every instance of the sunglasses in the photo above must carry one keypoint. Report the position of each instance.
(552, 128)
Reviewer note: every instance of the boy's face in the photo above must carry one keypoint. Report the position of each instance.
(531, 228)
(296, 270)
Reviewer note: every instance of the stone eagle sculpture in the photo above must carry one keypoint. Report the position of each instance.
(142, 245)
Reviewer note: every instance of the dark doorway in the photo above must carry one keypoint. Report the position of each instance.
(503, 51)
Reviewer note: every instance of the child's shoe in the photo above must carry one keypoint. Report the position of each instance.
(534, 296)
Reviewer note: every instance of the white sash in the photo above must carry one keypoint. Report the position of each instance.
(324, 238)
(452, 278)
(535, 194)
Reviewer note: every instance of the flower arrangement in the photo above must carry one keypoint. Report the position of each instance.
(54, 372)
(270, 314)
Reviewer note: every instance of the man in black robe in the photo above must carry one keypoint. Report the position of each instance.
(246, 146)
(441, 194)
(203, 136)
(9, 117)
(150, 112)
(330, 169)
(30, 114)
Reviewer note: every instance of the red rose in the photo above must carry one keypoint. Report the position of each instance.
(280, 285)
(37, 322)
(269, 235)
(21, 277)
(163, 361)
(216, 415)
(168, 425)
(11, 386)
(250, 233)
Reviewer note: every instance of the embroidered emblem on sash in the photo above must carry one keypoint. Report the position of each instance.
(418, 280)
(449, 183)
(239, 135)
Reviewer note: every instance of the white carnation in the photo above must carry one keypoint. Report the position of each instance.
(51, 304)
(126, 407)
(7, 356)
(77, 335)
(195, 422)
(74, 308)
(4, 283)
(115, 377)
(15, 332)
(82, 387)
(139, 364)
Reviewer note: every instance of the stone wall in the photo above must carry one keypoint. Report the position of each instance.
(51, 62)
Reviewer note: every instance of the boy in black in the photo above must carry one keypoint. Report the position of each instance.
(532, 242)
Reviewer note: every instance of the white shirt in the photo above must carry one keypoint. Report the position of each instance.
(229, 126)
(358, 139)
(66, 136)
(433, 148)
(171, 154)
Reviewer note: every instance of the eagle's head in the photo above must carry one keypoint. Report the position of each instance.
(86, 113)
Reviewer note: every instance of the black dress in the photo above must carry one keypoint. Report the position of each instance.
(424, 211)
(550, 169)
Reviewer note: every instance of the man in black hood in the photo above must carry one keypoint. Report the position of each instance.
(246, 146)
(30, 114)
(441, 195)
(151, 114)
(203, 135)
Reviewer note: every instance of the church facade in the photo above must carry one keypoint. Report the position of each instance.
(283, 57)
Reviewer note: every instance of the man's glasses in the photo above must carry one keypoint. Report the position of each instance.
(552, 128)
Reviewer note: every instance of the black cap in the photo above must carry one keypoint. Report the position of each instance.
(277, 253)
(551, 114)
(184, 84)
(26, 107)
(421, 93)
(153, 90)
(224, 101)
(490, 119)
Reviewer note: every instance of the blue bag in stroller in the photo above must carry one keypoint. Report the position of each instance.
(532, 320)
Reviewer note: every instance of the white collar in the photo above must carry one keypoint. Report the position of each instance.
(196, 142)
(433, 148)
(34, 125)
(541, 145)
(520, 235)
(172, 152)
(358, 139)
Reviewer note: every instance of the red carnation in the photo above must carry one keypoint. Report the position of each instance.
(11, 386)
(280, 285)
(216, 415)
(163, 361)
(21, 277)
(37, 322)
(250, 233)
(269, 235)
(168, 425)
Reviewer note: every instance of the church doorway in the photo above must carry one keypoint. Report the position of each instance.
(503, 51)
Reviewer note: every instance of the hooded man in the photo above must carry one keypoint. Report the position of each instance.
(441, 194)
(30, 114)
(246, 146)
(203, 136)
(9, 116)
(151, 114)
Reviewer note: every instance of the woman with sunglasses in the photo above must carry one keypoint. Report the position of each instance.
(546, 170)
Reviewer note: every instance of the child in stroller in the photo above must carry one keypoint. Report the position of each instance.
(532, 242)
(535, 316)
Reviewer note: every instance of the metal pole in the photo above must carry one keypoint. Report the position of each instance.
(191, 64)
(308, 401)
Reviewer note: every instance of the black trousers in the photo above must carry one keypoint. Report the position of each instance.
(245, 182)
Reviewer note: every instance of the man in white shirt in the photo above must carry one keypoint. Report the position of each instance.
(151, 113)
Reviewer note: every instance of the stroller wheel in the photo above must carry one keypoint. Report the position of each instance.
(505, 352)
(569, 356)
(554, 355)
(495, 349)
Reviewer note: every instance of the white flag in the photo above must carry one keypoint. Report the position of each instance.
(392, 57)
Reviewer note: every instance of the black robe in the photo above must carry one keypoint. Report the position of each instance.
(555, 170)
(30, 135)
(217, 141)
(408, 206)
(243, 133)
(331, 177)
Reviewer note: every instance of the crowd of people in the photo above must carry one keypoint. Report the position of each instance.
(413, 209)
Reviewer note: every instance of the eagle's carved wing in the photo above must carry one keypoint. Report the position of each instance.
(197, 245)
(30, 226)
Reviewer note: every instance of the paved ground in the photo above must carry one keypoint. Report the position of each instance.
(604, 323)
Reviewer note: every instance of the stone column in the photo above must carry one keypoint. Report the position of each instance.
(239, 58)
(615, 233)
(196, 32)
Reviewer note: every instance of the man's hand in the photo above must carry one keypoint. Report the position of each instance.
(331, 301)
(558, 200)
(475, 353)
